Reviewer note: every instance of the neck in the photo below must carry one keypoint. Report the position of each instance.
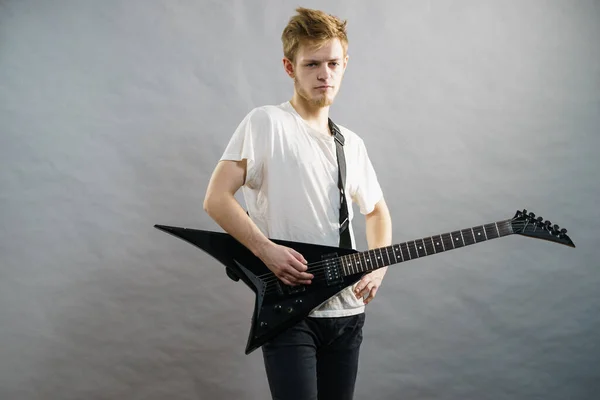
(317, 117)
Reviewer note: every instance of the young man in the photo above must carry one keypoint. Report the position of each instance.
(284, 159)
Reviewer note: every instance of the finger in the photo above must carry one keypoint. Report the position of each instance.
(372, 294)
(360, 286)
(366, 290)
(286, 280)
(297, 264)
(299, 281)
(298, 270)
(298, 256)
(296, 275)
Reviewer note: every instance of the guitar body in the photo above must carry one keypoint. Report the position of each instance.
(277, 306)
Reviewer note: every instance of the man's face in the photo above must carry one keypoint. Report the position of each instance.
(318, 72)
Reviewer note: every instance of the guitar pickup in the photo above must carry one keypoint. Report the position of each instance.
(333, 275)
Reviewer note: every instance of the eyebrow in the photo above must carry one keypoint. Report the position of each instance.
(318, 61)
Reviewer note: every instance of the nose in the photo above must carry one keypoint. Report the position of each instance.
(324, 72)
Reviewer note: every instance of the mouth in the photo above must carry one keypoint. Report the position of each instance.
(324, 87)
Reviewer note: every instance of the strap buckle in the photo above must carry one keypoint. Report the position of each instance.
(344, 224)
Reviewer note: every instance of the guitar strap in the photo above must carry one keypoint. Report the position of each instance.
(345, 240)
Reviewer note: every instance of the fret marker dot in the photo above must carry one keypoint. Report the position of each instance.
(456, 238)
(438, 244)
(420, 247)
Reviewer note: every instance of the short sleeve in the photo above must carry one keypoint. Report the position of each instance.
(367, 191)
(249, 142)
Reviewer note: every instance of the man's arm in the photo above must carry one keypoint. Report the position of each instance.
(221, 205)
(379, 234)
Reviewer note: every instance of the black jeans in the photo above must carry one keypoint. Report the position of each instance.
(316, 359)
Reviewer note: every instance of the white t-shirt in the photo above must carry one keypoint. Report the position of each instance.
(291, 189)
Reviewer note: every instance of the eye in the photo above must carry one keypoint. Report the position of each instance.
(335, 63)
(311, 64)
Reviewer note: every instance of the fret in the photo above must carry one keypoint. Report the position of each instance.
(479, 234)
(448, 241)
(491, 231)
(468, 237)
(399, 253)
(358, 264)
(360, 267)
(412, 250)
(472, 232)
(457, 239)
(365, 262)
(405, 251)
(375, 258)
(344, 260)
(505, 228)
(420, 248)
(387, 254)
(371, 261)
(497, 230)
(379, 258)
(349, 264)
(429, 245)
(438, 243)
(395, 256)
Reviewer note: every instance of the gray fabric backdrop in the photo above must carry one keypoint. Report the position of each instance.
(114, 113)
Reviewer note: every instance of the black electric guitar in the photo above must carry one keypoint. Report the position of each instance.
(279, 306)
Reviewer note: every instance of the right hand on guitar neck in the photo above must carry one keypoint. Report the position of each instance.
(286, 263)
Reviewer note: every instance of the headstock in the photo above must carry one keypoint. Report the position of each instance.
(528, 225)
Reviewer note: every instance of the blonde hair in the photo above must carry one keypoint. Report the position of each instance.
(312, 27)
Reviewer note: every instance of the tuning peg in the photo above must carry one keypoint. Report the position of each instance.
(524, 212)
(547, 223)
(556, 227)
(539, 220)
(563, 231)
(531, 215)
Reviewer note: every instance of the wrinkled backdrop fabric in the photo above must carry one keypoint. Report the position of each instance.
(113, 115)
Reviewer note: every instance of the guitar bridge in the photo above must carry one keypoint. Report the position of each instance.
(331, 266)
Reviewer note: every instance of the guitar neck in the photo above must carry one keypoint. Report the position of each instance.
(383, 256)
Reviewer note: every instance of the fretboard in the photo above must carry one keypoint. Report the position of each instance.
(382, 257)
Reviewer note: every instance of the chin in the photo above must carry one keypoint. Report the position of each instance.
(322, 101)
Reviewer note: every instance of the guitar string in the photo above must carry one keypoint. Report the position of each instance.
(337, 261)
(386, 249)
(320, 272)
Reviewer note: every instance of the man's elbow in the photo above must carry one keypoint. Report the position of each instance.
(209, 203)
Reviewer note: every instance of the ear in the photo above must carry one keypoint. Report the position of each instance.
(288, 66)
(346, 61)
